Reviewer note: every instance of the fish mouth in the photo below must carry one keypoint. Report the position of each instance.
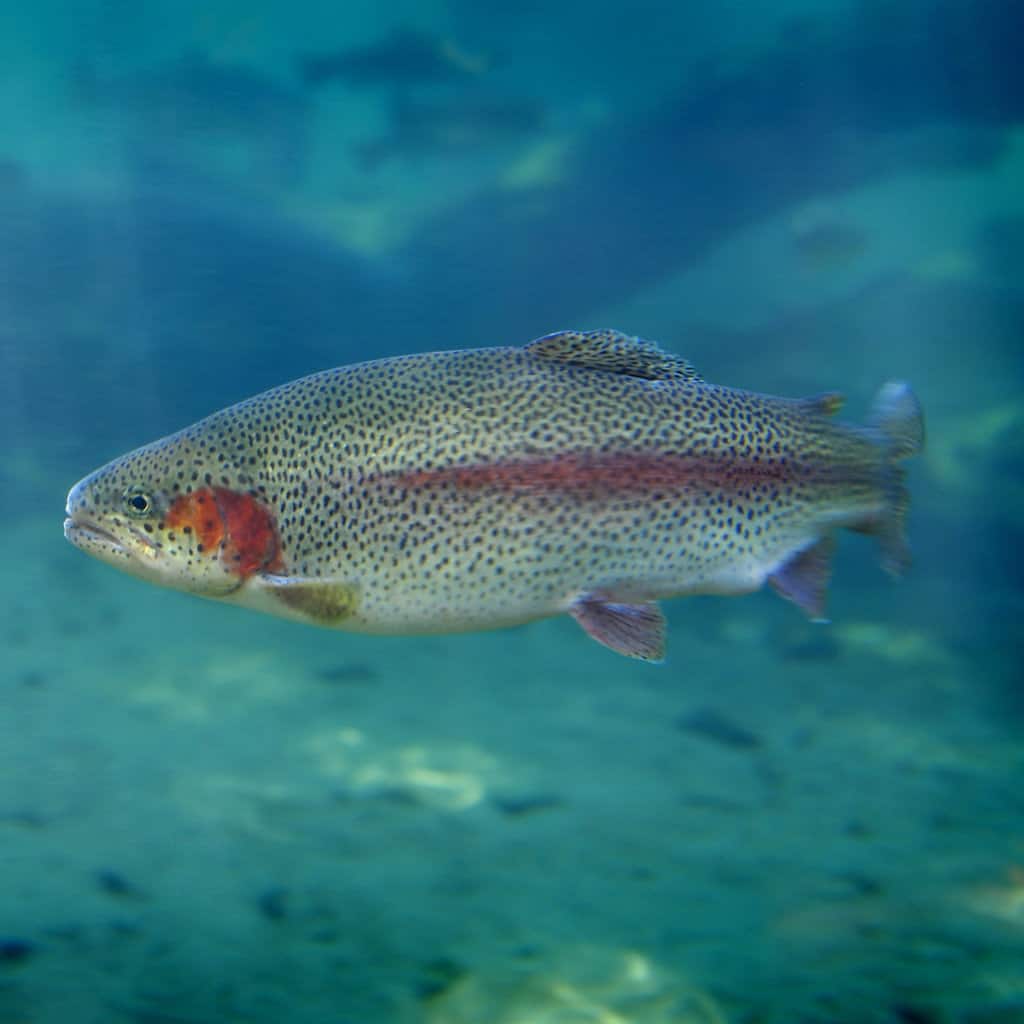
(81, 534)
(85, 534)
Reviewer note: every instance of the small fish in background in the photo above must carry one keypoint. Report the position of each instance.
(588, 474)
(453, 127)
(825, 241)
(404, 57)
(711, 724)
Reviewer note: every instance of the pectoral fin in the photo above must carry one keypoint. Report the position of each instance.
(804, 578)
(321, 601)
(635, 630)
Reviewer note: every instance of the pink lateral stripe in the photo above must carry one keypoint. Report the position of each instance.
(576, 472)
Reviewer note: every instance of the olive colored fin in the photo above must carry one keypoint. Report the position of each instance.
(320, 601)
(615, 352)
(804, 578)
(898, 420)
(635, 630)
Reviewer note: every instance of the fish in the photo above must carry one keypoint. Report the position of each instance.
(713, 725)
(829, 246)
(404, 56)
(453, 127)
(824, 239)
(588, 473)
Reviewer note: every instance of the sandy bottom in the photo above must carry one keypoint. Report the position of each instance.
(208, 816)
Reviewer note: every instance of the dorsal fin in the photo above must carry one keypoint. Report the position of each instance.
(828, 403)
(615, 352)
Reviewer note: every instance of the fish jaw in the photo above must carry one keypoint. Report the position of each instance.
(121, 545)
(102, 543)
(96, 524)
(108, 538)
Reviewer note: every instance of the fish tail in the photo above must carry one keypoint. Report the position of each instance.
(897, 420)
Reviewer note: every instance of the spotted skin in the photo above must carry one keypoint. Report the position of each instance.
(238, 526)
(483, 488)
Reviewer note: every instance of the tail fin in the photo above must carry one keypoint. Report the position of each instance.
(897, 418)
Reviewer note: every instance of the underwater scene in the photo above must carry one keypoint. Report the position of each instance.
(644, 697)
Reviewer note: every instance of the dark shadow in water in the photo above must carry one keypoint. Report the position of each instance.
(218, 300)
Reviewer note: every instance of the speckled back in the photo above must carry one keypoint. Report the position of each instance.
(458, 489)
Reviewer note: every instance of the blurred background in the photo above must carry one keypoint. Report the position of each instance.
(208, 817)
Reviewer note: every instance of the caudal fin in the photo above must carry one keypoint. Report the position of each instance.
(897, 417)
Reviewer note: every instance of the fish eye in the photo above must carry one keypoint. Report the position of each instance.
(138, 503)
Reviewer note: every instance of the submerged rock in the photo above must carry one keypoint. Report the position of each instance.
(577, 985)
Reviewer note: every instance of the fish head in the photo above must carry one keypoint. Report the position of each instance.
(157, 514)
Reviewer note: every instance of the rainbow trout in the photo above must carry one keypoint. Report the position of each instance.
(588, 473)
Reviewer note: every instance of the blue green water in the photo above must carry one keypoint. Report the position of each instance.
(209, 816)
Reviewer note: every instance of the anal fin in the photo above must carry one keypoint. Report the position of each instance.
(804, 578)
(635, 630)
